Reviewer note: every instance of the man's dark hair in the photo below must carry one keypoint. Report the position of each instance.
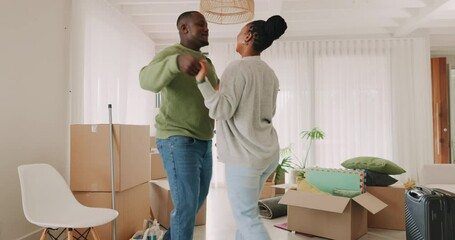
(185, 15)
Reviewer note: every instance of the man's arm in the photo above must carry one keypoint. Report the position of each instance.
(159, 72)
(163, 68)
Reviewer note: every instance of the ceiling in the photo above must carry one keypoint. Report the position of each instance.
(313, 19)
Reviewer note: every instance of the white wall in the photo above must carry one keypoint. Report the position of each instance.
(107, 53)
(34, 47)
(451, 61)
(42, 60)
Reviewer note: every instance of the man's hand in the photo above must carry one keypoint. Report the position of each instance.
(188, 64)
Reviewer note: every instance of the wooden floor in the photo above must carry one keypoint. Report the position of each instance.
(221, 225)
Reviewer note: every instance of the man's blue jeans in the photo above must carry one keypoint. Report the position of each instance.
(188, 164)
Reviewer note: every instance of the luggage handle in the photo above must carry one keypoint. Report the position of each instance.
(415, 195)
(423, 189)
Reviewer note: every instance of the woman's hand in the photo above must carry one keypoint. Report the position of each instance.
(200, 76)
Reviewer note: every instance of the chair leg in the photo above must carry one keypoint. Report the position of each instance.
(70, 233)
(43, 235)
(94, 234)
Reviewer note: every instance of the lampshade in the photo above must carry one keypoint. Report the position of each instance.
(227, 11)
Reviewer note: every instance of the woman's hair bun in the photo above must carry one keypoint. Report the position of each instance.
(275, 26)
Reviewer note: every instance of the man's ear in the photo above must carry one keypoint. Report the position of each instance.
(184, 28)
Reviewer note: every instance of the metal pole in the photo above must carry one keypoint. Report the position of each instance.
(111, 146)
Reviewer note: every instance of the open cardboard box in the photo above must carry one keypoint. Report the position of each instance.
(330, 216)
(393, 216)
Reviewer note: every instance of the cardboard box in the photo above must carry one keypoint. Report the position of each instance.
(269, 190)
(157, 167)
(131, 204)
(157, 171)
(393, 216)
(91, 162)
(161, 203)
(152, 142)
(330, 216)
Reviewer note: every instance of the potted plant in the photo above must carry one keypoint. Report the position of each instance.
(284, 164)
(298, 166)
(312, 135)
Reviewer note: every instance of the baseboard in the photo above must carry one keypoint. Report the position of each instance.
(33, 235)
(37, 234)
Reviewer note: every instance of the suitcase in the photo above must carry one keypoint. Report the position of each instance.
(450, 213)
(430, 214)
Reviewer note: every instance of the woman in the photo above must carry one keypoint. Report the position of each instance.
(244, 107)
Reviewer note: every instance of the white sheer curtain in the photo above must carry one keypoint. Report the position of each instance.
(372, 97)
(352, 100)
(107, 54)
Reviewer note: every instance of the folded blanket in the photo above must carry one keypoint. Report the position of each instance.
(269, 208)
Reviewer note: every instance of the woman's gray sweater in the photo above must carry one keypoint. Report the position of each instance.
(244, 107)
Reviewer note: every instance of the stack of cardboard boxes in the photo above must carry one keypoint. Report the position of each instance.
(160, 196)
(90, 170)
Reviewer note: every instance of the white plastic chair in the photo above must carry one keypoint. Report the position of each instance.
(48, 202)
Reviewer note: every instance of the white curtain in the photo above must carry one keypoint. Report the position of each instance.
(371, 97)
(107, 53)
(351, 101)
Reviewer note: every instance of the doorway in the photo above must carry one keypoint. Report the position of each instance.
(441, 87)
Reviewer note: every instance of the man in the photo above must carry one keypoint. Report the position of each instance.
(184, 129)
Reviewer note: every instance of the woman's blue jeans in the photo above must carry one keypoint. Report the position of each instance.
(188, 164)
(244, 187)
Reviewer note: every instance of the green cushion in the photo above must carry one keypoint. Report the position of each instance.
(373, 164)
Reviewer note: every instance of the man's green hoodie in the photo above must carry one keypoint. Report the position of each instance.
(182, 111)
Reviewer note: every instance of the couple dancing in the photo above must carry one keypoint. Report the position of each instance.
(243, 108)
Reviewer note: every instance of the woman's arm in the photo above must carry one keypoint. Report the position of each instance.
(222, 104)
